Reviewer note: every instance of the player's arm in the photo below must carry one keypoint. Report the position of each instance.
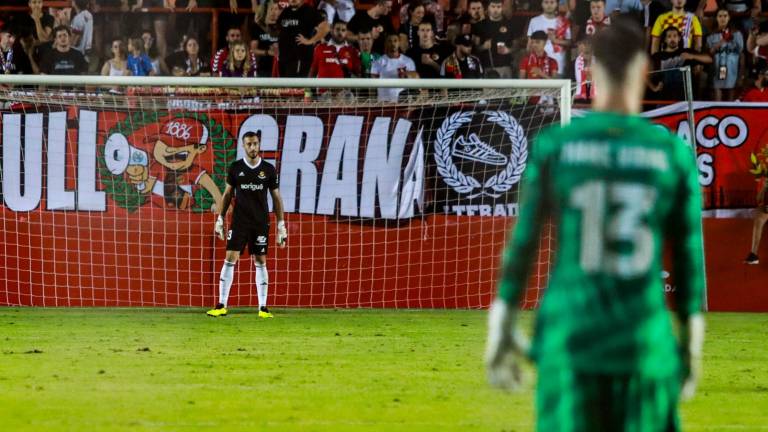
(684, 233)
(207, 182)
(282, 232)
(226, 199)
(505, 343)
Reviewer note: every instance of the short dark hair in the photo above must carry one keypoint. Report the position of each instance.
(252, 134)
(595, 1)
(617, 45)
(60, 28)
(337, 20)
(82, 4)
(429, 23)
(414, 4)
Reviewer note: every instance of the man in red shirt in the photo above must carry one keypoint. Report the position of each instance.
(537, 64)
(758, 93)
(335, 58)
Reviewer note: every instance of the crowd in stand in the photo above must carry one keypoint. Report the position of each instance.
(725, 43)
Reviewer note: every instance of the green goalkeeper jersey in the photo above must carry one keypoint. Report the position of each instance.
(615, 187)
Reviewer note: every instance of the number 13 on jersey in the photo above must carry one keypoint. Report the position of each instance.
(612, 213)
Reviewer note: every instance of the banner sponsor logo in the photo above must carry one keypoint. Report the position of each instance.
(726, 137)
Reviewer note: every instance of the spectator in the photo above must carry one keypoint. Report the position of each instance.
(757, 42)
(82, 27)
(463, 25)
(409, 30)
(189, 62)
(582, 70)
(240, 63)
(558, 30)
(301, 27)
(335, 58)
(614, 8)
(493, 38)
(375, 20)
(597, 19)
(62, 59)
(233, 35)
(392, 65)
(22, 59)
(6, 51)
(651, 10)
(537, 64)
(725, 45)
(139, 62)
(668, 84)
(157, 21)
(686, 22)
(428, 54)
(264, 38)
(432, 8)
(742, 12)
(580, 11)
(462, 64)
(343, 9)
(40, 22)
(760, 216)
(759, 91)
(154, 54)
(233, 19)
(118, 64)
(367, 56)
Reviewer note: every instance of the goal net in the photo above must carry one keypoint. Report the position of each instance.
(398, 193)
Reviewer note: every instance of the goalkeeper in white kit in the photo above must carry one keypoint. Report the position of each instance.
(248, 180)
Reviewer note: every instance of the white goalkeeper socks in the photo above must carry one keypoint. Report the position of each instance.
(225, 281)
(262, 279)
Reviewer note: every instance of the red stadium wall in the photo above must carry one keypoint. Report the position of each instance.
(140, 253)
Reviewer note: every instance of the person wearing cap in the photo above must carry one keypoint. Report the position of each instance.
(175, 175)
(462, 64)
(493, 38)
(248, 180)
(537, 64)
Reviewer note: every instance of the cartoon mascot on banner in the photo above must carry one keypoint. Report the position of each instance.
(171, 178)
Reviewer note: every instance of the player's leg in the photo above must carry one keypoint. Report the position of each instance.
(570, 401)
(758, 222)
(236, 240)
(262, 284)
(259, 249)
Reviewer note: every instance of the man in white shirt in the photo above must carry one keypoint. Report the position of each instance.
(557, 28)
(82, 27)
(392, 64)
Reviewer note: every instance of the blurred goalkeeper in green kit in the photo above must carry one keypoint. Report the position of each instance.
(616, 187)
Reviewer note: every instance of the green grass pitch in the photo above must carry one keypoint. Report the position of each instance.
(307, 370)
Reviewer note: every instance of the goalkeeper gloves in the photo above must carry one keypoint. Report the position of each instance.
(219, 227)
(282, 233)
(505, 348)
(693, 342)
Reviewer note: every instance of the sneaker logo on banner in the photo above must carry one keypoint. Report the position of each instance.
(472, 148)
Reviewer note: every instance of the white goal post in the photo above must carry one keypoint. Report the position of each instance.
(389, 204)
